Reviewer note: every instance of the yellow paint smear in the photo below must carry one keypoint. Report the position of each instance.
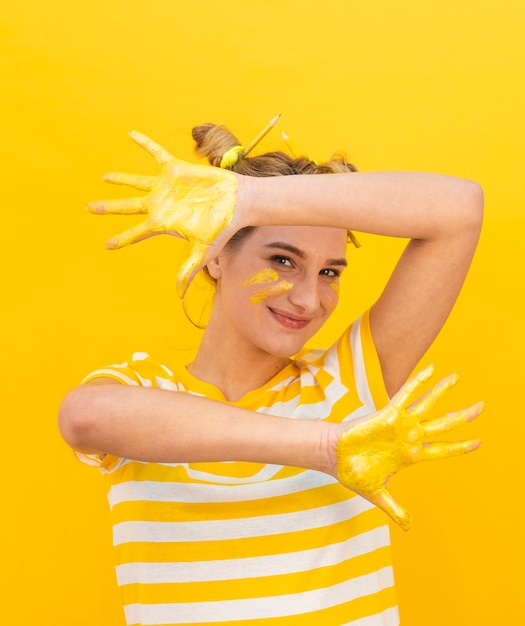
(264, 276)
(331, 300)
(271, 291)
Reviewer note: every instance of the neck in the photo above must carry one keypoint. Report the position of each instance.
(232, 365)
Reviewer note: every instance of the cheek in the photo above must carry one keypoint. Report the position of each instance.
(266, 284)
(271, 291)
(262, 277)
(330, 297)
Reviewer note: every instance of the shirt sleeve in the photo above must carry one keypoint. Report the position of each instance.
(141, 371)
(366, 361)
(359, 361)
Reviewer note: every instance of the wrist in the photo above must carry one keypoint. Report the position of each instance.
(246, 193)
(329, 438)
(256, 202)
(306, 443)
(319, 446)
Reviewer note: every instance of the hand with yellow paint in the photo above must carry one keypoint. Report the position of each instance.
(194, 202)
(373, 450)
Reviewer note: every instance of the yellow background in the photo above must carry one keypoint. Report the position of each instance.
(399, 85)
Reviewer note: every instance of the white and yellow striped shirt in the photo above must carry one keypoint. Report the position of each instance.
(246, 543)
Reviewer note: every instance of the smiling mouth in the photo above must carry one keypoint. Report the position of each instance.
(287, 321)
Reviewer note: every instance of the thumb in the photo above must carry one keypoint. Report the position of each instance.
(190, 267)
(384, 500)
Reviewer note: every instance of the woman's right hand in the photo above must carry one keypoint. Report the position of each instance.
(374, 449)
(194, 202)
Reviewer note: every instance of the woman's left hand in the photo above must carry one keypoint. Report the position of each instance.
(194, 202)
(373, 450)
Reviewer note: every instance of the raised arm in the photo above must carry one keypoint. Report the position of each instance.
(442, 217)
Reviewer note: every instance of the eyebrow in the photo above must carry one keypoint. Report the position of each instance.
(281, 245)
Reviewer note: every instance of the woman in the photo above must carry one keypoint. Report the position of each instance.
(225, 510)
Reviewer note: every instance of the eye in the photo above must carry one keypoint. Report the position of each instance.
(330, 273)
(281, 260)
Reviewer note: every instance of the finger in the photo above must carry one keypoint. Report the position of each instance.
(443, 424)
(128, 237)
(189, 268)
(443, 450)
(160, 154)
(122, 206)
(422, 406)
(402, 397)
(131, 180)
(386, 502)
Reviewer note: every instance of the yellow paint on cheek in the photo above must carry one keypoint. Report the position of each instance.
(332, 298)
(271, 291)
(265, 276)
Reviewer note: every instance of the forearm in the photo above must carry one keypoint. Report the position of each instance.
(164, 426)
(400, 204)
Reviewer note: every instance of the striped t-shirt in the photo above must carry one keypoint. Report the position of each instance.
(247, 543)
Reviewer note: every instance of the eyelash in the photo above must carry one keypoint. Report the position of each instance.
(279, 259)
(335, 273)
(328, 272)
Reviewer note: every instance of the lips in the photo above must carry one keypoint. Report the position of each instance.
(287, 320)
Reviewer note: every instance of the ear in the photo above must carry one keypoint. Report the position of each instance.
(214, 268)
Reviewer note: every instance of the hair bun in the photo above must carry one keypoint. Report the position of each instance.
(212, 141)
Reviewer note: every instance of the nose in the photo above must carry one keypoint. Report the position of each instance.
(305, 295)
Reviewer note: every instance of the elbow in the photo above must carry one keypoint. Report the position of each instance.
(76, 418)
(474, 203)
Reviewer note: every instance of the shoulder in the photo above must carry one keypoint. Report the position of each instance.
(139, 370)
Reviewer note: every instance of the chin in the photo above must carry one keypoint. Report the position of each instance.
(286, 349)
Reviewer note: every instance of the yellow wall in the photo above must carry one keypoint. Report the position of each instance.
(399, 85)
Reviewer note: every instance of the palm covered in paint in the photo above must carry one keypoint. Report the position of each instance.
(373, 450)
(194, 202)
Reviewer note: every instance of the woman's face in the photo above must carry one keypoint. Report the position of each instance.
(279, 285)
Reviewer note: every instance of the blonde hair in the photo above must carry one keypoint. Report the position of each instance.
(212, 141)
